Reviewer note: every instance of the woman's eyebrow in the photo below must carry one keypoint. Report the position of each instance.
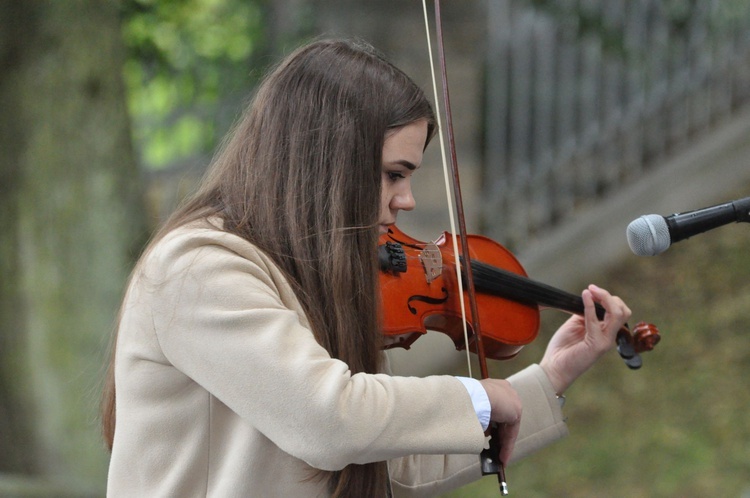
(407, 164)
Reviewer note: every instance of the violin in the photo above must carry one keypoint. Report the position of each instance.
(419, 292)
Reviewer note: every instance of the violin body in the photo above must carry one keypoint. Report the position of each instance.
(426, 296)
(420, 292)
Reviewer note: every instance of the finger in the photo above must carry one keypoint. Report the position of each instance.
(603, 296)
(599, 333)
(589, 311)
(508, 435)
(617, 311)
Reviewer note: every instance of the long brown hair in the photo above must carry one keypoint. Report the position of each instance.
(299, 177)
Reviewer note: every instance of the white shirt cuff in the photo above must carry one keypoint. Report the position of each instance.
(479, 399)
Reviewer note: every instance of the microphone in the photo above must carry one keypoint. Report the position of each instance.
(652, 234)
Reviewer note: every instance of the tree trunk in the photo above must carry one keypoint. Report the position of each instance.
(70, 211)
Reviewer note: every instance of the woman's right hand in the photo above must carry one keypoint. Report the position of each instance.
(506, 412)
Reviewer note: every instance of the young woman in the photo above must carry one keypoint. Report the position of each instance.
(248, 358)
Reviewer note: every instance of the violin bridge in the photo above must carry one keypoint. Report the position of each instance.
(432, 261)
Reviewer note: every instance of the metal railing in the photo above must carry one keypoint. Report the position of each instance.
(583, 96)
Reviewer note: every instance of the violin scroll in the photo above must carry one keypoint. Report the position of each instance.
(644, 337)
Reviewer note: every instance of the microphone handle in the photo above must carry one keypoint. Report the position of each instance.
(685, 225)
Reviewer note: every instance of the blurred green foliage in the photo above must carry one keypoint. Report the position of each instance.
(184, 59)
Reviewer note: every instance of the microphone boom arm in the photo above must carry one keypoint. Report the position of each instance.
(685, 225)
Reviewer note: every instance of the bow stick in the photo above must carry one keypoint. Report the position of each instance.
(490, 461)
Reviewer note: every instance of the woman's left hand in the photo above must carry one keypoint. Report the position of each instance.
(582, 340)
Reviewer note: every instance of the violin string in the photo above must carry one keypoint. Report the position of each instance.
(515, 287)
(446, 178)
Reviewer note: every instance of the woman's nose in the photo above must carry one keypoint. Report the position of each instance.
(404, 200)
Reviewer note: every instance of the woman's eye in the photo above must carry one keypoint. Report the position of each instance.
(395, 175)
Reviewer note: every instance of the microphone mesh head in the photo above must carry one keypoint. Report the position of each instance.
(648, 235)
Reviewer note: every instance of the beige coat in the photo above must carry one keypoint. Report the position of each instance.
(223, 391)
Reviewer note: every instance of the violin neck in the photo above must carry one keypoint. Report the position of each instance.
(503, 283)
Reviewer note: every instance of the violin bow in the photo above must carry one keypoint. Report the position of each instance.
(489, 458)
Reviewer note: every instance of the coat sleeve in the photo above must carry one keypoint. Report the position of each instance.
(541, 424)
(224, 316)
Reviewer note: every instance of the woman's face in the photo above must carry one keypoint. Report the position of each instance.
(402, 156)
